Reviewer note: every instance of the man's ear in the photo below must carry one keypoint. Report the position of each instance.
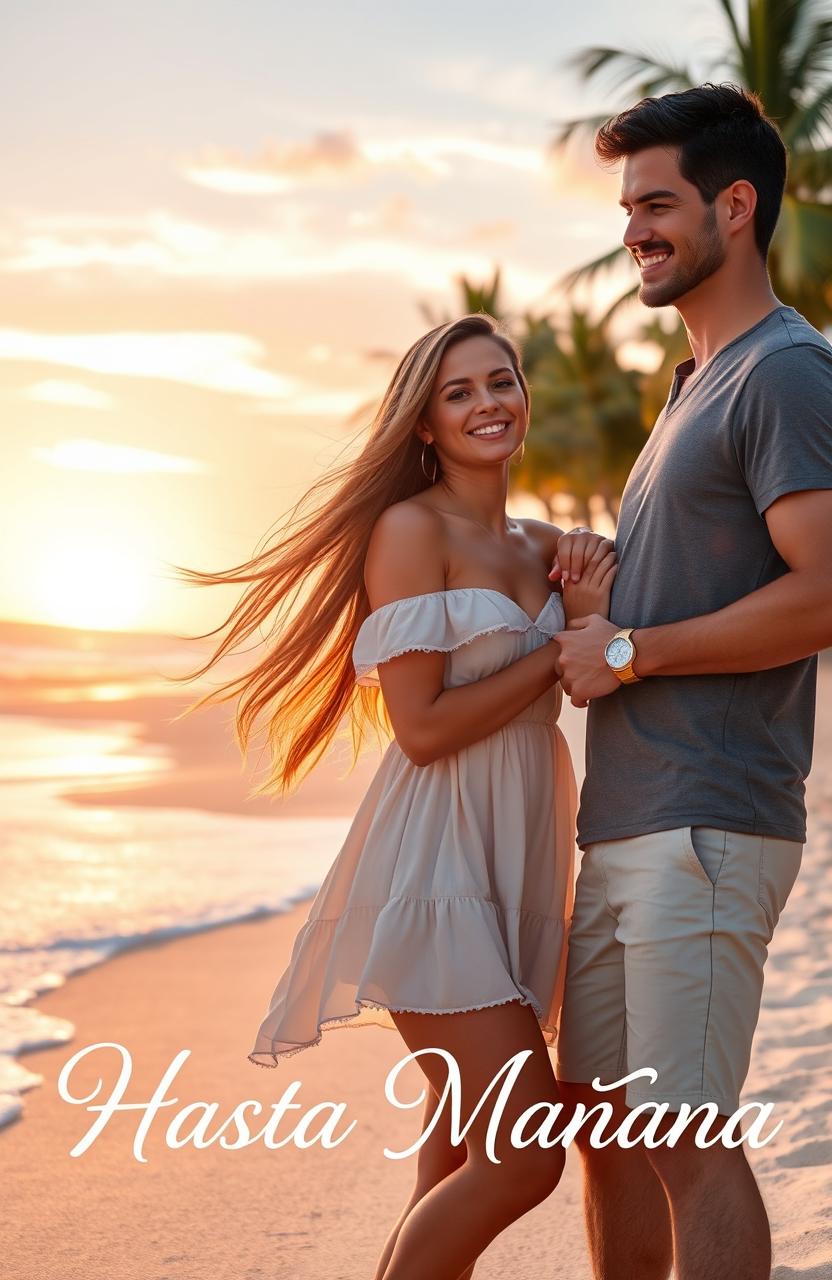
(741, 199)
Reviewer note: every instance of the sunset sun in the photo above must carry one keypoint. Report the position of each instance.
(90, 582)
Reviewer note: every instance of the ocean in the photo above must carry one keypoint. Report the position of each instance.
(96, 855)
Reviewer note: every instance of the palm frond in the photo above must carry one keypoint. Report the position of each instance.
(636, 71)
(481, 297)
(731, 18)
(810, 124)
(812, 55)
(642, 75)
(588, 272)
(629, 295)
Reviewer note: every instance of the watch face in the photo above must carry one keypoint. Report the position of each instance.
(619, 652)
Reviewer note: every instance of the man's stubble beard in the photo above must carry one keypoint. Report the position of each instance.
(706, 255)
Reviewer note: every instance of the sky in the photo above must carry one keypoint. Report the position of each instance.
(223, 224)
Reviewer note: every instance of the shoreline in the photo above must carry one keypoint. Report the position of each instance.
(34, 1027)
(211, 1214)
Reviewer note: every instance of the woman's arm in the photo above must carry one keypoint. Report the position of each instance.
(407, 557)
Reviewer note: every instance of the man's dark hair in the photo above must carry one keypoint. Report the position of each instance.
(722, 134)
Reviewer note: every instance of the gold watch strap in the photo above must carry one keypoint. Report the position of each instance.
(626, 674)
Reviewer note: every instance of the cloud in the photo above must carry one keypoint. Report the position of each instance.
(278, 166)
(329, 157)
(224, 362)
(436, 154)
(214, 361)
(96, 455)
(172, 248)
(77, 394)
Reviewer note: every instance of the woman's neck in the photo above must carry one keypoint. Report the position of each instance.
(480, 497)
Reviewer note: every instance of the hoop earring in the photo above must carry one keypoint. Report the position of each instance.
(424, 468)
(522, 454)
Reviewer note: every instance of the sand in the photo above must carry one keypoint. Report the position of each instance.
(290, 1214)
(249, 1214)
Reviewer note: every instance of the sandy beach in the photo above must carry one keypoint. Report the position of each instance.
(251, 1214)
(255, 1213)
(290, 1214)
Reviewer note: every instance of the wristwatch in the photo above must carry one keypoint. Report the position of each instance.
(620, 654)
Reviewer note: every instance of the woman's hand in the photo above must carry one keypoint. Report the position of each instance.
(576, 551)
(592, 593)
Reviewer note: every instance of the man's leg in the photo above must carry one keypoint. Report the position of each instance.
(626, 1210)
(720, 1226)
(625, 1207)
(696, 910)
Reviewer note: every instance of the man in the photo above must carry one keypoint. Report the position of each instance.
(701, 711)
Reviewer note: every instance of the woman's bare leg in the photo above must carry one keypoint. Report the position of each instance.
(436, 1158)
(449, 1227)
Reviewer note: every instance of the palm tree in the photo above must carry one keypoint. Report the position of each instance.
(782, 50)
(587, 425)
(474, 298)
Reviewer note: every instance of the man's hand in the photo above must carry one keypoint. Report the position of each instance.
(576, 550)
(584, 671)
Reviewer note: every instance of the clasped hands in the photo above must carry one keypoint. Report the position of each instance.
(581, 665)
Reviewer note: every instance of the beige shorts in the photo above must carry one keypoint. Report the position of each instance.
(669, 937)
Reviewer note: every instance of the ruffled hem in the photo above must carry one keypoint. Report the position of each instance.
(330, 1024)
(469, 952)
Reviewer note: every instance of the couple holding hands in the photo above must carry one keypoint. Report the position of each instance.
(450, 912)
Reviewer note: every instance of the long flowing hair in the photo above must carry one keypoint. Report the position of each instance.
(312, 579)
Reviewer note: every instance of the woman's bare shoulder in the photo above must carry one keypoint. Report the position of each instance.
(406, 554)
(544, 538)
(544, 534)
(408, 516)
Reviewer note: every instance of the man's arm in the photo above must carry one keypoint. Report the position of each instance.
(782, 622)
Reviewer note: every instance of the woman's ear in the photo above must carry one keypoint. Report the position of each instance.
(424, 432)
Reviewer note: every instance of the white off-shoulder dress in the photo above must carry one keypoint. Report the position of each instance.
(453, 888)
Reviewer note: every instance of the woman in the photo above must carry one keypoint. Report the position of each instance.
(444, 914)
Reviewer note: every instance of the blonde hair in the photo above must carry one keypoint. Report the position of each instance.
(305, 681)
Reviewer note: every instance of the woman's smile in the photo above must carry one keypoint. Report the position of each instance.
(491, 430)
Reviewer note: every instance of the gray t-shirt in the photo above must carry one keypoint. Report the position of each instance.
(729, 751)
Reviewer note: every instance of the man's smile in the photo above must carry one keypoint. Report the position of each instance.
(648, 262)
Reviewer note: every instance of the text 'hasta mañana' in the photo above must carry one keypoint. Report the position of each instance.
(192, 1123)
